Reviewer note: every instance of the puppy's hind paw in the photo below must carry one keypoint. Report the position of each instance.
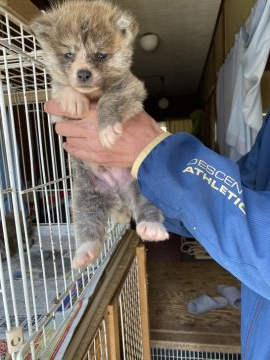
(151, 231)
(85, 255)
(109, 135)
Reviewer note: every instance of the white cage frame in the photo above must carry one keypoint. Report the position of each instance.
(35, 179)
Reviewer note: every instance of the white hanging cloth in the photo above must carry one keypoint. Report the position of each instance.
(239, 83)
(226, 84)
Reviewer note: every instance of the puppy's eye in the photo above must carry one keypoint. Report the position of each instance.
(68, 55)
(101, 56)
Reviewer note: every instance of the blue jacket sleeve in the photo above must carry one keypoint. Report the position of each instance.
(202, 191)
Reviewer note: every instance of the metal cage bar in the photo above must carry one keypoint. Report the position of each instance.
(40, 296)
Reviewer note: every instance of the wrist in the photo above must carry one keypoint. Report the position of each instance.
(161, 135)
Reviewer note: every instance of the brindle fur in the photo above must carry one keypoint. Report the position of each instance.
(88, 47)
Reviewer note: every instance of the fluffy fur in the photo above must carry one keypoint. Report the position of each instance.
(88, 47)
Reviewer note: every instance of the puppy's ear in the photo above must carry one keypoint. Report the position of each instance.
(126, 24)
(40, 27)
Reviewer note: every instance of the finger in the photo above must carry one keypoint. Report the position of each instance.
(93, 158)
(81, 151)
(77, 142)
(72, 128)
(78, 153)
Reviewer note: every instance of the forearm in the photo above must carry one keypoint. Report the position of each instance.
(198, 188)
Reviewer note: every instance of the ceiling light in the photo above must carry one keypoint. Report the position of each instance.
(149, 41)
(163, 103)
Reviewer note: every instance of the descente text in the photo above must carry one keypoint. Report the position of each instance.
(218, 181)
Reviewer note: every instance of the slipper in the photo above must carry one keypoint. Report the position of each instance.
(206, 303)
(231, 293)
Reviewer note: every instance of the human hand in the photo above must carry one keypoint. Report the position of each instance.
(83, 142)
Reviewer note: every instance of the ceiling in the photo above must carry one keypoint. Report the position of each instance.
(185, 29)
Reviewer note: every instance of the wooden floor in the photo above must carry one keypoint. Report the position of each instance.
(171, 286)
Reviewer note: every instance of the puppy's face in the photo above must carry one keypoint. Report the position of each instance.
(86, 45)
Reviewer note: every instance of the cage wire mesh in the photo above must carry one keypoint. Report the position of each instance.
(98, 348)
(178, 354)
(129, 322)
(40, 294)
(130, 315)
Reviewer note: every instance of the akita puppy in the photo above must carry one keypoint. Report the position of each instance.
(88, 48)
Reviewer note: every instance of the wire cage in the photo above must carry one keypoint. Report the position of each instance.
(123, 331)
(98, 347)
(131, 327)
(177, 354)
(41, 296)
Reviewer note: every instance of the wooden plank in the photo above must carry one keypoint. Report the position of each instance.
(219, 43)
(113, 331)
(236, 14)
(103, 295)
(171, 287)
(23, 10)
(140, 252)
(30, 97)
(265, 90)
(195, 342)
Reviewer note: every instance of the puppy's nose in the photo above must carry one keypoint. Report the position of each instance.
(84, 75)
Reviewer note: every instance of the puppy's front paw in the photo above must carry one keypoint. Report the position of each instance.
(85, 255)
(73, 102)
(152, 231)
(109, 135)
